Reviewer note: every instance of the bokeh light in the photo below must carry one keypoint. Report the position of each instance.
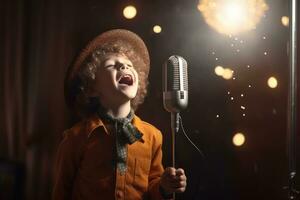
(272, 82)
(285, 20)
(157, 29)
(129, 12)
(227, 74)
(219, 70)
(232, 16)
(238, 139)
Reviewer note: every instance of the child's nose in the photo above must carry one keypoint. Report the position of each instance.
(123, 67)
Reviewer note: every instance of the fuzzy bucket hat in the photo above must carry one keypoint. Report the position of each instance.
(124, 37)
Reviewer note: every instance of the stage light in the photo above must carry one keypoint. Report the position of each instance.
(231, 17)
(272, 82)
(157, 29)
(238, 139)
(129, 12)
(227, 74)
(219, 70)
(285, 20)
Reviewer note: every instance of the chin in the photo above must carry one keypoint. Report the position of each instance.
(130, 92)
(129, 96)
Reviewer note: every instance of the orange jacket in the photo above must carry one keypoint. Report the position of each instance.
(84, 164)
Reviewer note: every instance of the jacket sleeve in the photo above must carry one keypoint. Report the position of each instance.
(156, 168)
(65, 168)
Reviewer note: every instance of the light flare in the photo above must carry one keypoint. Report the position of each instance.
(231, 17)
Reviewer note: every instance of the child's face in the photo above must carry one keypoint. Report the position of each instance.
(116, 79)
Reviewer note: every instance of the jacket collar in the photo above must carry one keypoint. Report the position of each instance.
(94, 122)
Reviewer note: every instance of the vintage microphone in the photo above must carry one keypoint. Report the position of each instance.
(175, 94)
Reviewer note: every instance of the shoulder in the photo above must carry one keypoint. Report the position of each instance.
(82, 129)
(148, 130)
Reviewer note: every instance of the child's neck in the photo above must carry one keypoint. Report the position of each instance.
(118, 111)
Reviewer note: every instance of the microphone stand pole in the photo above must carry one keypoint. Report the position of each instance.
(175, 129)
(292, 101)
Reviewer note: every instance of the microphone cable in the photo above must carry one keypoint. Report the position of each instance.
(187, 137)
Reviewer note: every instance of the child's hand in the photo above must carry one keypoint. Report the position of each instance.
(173, 180)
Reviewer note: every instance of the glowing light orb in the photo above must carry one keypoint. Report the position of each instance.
(285, 20)
(232, 16)
(157, 29)
(227, 74)
(238, 139)
(219, 70)
(272, 82)
(129, 12)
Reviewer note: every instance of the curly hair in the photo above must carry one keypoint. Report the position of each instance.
(87, 73)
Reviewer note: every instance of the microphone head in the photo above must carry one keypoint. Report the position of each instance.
(175, 84)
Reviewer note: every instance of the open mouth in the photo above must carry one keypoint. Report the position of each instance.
(126, 79)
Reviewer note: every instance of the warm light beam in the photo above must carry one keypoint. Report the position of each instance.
(232, 16)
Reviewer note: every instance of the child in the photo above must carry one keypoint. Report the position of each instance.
(112, 153)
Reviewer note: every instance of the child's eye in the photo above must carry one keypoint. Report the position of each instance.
(109, 65)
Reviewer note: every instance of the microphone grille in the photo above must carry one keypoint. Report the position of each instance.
(185, 75)
(174, 69)
(178, 66)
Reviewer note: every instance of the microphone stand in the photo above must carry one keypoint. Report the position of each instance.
(175, 129)
(292, 101)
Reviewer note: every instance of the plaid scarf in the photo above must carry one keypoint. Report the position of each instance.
(126, 133)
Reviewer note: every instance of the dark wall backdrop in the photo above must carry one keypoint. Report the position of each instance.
(39, 39)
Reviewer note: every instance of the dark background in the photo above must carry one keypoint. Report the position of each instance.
(39, 39)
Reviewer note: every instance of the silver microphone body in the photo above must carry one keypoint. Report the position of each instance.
(175, 84)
